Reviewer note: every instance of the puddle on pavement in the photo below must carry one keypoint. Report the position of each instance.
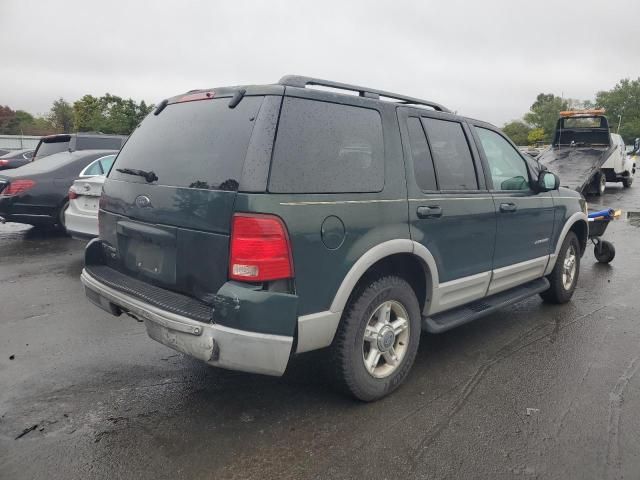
(633, 218)
(14, 231)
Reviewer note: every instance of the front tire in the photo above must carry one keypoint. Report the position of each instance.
(564, 276)
(377, 340)
(627, 181)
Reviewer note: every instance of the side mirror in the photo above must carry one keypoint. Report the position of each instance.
(548, 181)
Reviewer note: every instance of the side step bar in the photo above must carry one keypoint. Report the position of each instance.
(441, 322)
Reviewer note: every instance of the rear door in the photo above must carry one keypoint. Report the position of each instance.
(525, 217)
(172, 229)
(451, 212)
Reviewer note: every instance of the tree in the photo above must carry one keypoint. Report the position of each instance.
(61, 116)
(108, 114)
(623, 102)
(544, 113)
(517, 131)
(536, 135)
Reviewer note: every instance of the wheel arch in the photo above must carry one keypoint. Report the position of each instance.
(403, 257)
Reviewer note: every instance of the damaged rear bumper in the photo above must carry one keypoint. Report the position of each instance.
(218, 345)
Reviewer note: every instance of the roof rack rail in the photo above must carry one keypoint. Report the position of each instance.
(302, 82)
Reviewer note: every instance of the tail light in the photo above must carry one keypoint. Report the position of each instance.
(4, 163)
(72, 194)
(260, 249)
(17, 186)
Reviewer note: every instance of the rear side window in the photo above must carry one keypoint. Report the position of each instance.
(49, 146)
(422, 162)
(200, 144)
(451, 155)
(327, 148)
(98, 143)
(100, 166)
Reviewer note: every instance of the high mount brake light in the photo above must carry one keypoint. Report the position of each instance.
(192, 97)
(17, 186)
(260, 249)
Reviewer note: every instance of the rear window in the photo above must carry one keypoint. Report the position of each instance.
(98, 143)
(451, 155)
(327, 148)
(49, 146)
(200, 144)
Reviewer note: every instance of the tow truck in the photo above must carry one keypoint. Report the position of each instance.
(585, 154)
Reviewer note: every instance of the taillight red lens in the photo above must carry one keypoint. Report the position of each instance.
(260, 249)
(17, 186)
(4, 163)
(72, 194)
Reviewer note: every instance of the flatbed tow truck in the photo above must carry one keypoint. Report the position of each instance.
(585, 154)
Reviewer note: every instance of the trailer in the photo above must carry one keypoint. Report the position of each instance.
(584, 153)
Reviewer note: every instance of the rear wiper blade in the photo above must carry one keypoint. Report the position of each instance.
(149, 176)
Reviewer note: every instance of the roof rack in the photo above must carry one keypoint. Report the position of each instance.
(302, 82)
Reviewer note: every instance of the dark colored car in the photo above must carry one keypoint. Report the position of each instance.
(72, 142)
(4, 152)
(37, 193)
(248, 224)
(15, 159)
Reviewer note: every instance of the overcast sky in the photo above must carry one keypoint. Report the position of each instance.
(486, 59)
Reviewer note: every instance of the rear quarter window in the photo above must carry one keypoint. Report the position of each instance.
(327, 148)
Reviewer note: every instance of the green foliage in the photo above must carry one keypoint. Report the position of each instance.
(108, 114)
(623, 100)
(517, 131)
(61, 116)
(19, 122)
(536, 135)
(544, 112)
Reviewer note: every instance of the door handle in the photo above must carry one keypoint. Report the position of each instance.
(508, 207)
(434, 211)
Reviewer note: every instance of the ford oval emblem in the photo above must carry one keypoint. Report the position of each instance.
(143, 201)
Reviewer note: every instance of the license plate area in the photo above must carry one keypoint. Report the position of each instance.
(148, 251)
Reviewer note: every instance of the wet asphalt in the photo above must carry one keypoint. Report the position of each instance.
(534, 391)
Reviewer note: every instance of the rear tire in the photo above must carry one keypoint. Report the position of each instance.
(377, 339)
(600, 184)
(61, 224)
(627, 181)
(564, 276)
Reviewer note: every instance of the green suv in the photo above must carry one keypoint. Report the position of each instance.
(245, 225)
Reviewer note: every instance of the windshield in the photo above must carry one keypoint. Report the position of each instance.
(49, 146)
(199, 144)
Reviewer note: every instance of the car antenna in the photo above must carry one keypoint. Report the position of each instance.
(237, 98)
(160, 107)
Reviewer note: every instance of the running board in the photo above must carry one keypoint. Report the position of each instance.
(441, 322)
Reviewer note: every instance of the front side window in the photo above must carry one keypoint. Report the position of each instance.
(508, 169)
(327, 148)
(451, 155)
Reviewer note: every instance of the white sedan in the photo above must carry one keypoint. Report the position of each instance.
(81, 217)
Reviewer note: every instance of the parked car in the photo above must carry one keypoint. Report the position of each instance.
(4, 152)
(72, 142)
(15, 159)
(307, 218)
(619, 167)
(81, 217)
(37, 193)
